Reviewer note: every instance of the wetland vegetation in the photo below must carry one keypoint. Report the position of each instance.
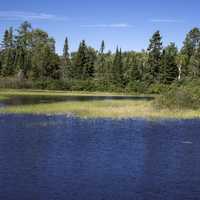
(90, 105)
(28, 60)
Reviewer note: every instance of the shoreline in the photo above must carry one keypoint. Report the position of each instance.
(113, 109)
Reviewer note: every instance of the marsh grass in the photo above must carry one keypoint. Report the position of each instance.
(28, 92)
(3, 97)
(95, 109)
(104, 109)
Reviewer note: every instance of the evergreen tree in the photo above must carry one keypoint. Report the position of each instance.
(89, 67)
(191, 42)
(79, 61)
(190, 46)
(170, 69)
(66, 62)
(83, 62)
(134, 73)
(117, 70)
(66, 51)
(101, 64)
(8, 54)
(155, 57)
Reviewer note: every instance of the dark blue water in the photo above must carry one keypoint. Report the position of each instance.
(60, 158)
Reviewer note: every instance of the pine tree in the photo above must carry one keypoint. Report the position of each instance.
(80, 61)
(155, 57)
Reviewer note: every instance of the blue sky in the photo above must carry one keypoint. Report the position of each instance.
(127, 23)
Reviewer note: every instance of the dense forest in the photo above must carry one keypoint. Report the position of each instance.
(28, 60)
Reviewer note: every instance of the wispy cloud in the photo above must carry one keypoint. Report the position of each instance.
(120, 25)
(18, 15)
(166, 21)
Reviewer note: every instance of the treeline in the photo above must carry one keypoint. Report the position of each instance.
(28, 59)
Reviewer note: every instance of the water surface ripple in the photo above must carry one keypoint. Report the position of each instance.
(61, 158)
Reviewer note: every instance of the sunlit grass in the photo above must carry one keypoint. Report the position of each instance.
(3, 97)
(93, 109)
(104, 109)
(30, 92)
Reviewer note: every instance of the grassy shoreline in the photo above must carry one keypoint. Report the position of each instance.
(116, 109)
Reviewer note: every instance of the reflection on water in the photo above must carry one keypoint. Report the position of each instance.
(71, 158)
(27, 100)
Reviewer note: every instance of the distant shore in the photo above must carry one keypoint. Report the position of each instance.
(116, 109)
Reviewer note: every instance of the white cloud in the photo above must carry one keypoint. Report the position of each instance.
(166, 21)
(120, 25)
(17, 15)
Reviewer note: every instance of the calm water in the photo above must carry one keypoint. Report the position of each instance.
(26, 100)
(60, 158)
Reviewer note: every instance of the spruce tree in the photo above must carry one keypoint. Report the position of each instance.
(117, 72)
(170, 69)
(100, 68)
(66, 62)
(134, 73)
(155, 57)
(80, 61)
(8, 54)
(66, 50)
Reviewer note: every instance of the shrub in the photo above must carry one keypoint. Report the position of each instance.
(136, 86)
(15, 83)
(157, 88)
(186, 96)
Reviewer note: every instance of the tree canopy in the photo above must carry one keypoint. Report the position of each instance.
(29, 54)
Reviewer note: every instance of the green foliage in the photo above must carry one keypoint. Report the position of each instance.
(83, 62)
(15, 83)
(155, 57)
(117, 73)
(182, 96)
(8, 54)
(28, 60)
(170, 69)
(137, 87)
(157, 88)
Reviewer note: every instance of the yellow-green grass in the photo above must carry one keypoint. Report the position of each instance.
(94, 109)
(3, 97)
(116, 109)
(30, 92)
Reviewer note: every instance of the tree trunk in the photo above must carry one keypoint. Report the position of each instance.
(179, 72)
